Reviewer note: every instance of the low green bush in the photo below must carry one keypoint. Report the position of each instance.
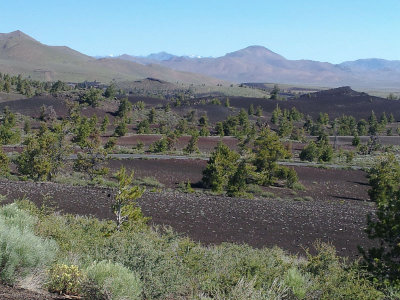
(107, 280)
(21, 251)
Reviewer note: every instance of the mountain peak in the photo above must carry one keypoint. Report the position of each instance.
(160, 56)
(256, 51)
(17, 34)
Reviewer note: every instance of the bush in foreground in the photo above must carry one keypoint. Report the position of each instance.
(107, 280)
(21, 251)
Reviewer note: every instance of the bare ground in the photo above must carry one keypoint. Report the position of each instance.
(336, 213)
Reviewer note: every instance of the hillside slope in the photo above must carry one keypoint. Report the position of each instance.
(21, 54)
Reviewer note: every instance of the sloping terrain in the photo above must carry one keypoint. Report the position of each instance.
(21, 54)
(335, 102)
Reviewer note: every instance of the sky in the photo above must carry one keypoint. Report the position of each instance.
(324, 30)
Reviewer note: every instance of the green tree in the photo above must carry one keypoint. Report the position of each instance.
(44, 153)
(356, 140)
(276, 114)
(124, 108)
(323, 118)
(219, 128)
(92, 157)
(58, 86)
(4, 163)
(92, 97)
(251, 110)
(192, 145)
(8, 133)
(285, 127)
(237, 183)
(310, 152)
(373, 124)
(384, 260)
(7, 86)
(27, 126)
(227, 103)
(152, 115)
(124, 204)
(83, 129)
(166, 143)
(275, 92)
(121, 128)
(110, 91)
(383, 120)
(143, 127)
(362, 126)
(203, 121)
(268, 150)
(104, 124)
(220, 167)
(259, 111)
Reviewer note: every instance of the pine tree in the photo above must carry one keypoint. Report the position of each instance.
(104, 124)
(192, 145)
(124, 203)
(220, 167)
(384, 260)
(251, 110)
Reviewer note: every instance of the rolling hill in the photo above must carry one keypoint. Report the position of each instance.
(21, 54)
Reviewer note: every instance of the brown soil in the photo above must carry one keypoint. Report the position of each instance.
(15, 293)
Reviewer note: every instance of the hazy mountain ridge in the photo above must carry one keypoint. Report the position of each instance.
(259, 64)
(20, 53)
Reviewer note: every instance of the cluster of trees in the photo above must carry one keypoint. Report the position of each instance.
(26, 86)
(347, 125)
(227, 171)
(284, 119)
(321, 150)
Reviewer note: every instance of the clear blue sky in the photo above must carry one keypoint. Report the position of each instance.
(326, 30)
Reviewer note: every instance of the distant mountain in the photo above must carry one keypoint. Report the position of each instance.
(259, 64)
(21, 54)
(373, 64)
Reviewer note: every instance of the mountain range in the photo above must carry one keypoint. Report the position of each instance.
(259, 64)
(22, 54)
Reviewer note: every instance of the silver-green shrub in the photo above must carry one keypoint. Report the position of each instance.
(107, 280)
(21, 250)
